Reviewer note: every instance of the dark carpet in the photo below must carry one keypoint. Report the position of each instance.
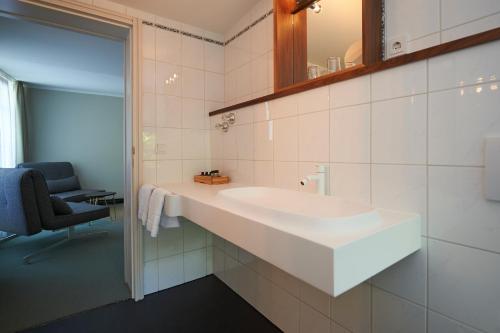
(80, 275)
(203, 305)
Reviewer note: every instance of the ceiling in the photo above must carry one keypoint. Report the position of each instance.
(61, 59)
(212, 15)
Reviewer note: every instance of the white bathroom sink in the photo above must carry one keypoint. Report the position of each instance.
(305, 210)
(331, 243)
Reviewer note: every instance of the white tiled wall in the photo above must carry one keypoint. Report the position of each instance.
(176, 256)
(409, 138)
(176, 139)
(175, 134)
(414, 142)
(426, 23)
(249, 58)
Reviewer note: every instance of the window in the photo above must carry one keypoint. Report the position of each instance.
(7, 124)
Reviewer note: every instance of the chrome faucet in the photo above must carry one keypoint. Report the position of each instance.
(321, 179)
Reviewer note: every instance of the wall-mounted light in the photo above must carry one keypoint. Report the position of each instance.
(316, 7)
(304, 4)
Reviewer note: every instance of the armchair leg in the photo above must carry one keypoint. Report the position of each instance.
(70, 236)
(27, 259)
(8, 238)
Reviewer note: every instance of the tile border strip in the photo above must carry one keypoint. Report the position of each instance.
(383, 28)
(253, 24)
(184, 33)
(210, 40)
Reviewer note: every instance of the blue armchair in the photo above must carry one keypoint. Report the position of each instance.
(61, 180)
(26, 208)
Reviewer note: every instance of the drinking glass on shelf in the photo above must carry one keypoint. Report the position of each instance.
(312, 71)
(349, 64)
(333, 64)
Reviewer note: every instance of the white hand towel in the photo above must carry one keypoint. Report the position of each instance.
(155, 211)
(144, 196)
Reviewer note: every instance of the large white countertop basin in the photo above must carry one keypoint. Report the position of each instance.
(302, 210)
(330, 243)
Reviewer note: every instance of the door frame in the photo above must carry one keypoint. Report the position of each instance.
(106, 23)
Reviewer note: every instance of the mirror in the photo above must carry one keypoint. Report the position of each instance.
(334, 36)
(316, 39)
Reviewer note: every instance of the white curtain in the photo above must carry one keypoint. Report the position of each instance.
(8, 135)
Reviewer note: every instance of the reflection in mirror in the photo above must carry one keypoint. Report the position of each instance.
(334, 36)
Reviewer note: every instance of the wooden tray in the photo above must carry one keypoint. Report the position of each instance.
(209, 180)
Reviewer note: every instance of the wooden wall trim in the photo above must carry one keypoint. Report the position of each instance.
(299, 47)
(456, 45)
(283, 43)
(372, 31)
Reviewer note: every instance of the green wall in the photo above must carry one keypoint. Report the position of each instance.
(84, 129)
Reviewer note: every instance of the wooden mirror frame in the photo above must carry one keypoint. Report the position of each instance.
(290, 40)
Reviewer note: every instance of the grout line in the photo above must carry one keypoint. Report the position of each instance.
(370, 285)
(456, 320)
(463, 245)
(422, 165)
(157, 259)
(297, 115)
(426, 301)
(424, 36)
(352, 163)
(399, 164)
(183, 251)
(338, 324)
(455, 166)
(374, 101)
(371, 139)
(471, 21)
(398, 296)
(440, 23)
(182, 66)
(343, 163)
(351, 105)
(469, 85)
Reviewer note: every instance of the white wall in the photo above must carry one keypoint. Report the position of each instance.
(249, 60)
(176, 138)
(175, 134)
(175, 115)
(84, 129)
(409, 138)
(427, 23)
